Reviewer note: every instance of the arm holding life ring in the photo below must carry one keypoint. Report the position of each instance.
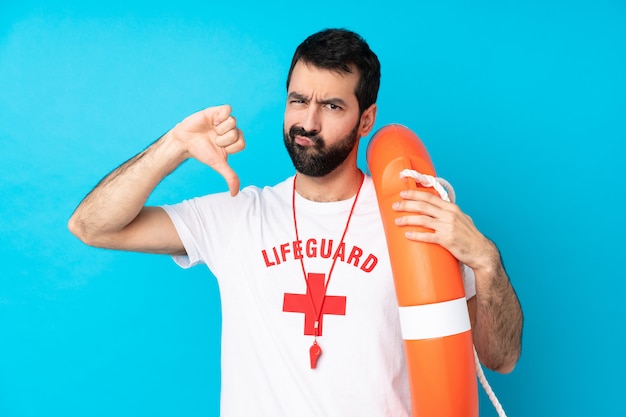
(495, 311)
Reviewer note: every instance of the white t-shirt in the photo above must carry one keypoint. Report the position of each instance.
(249, 244)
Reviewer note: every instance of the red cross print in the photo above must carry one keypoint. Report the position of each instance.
(316, 291)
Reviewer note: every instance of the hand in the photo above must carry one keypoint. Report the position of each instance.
(209, 136)
(495, 312)
(450, 228)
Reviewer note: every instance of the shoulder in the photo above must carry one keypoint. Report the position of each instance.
(368, 197)
(248, 196)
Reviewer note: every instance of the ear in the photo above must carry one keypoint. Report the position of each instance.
(368, 118)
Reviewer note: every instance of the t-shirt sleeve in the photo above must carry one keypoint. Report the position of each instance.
(176, 213)
(208, 225)
(469, 281)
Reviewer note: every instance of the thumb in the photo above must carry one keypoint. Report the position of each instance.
(232, 179)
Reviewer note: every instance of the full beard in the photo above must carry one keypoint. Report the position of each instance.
(318, 160)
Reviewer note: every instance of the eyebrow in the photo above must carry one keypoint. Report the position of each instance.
(336, 101)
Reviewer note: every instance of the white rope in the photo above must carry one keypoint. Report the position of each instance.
(487, 387)
(446, 192)
(443, 187)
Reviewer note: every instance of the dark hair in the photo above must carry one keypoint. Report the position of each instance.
(342, 50)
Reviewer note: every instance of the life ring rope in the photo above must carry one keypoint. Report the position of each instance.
(485, 384)
(443, 187)
(446, 192)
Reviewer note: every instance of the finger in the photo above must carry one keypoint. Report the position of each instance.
(238, 146)
(208, 117)
(219, 113)
(434, 207)
(228, 138)
(411, 207)
(417, 220)
(425, 237)
(232, 179)
(427, 196)
(226, 125)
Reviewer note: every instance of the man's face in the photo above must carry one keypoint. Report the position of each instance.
(322, 124)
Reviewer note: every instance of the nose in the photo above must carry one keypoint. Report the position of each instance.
(311, 121)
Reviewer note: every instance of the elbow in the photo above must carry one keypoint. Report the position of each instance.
(78, 229)
(506, 368)
(94, 235)
(73, 225)
(498, 357)
(503, 365)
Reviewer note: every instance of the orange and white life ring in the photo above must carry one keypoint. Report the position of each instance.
(429, 287)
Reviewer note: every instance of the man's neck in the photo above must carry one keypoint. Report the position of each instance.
(341, 184)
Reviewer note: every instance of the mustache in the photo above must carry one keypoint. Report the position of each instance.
(300, 131)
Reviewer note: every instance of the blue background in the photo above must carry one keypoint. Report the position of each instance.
(521, 104)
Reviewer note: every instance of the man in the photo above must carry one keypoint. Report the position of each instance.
(303, 266)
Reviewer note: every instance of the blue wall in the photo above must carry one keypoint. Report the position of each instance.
(521, 104)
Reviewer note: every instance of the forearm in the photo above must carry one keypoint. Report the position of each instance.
(118, 199)
(499, 318)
